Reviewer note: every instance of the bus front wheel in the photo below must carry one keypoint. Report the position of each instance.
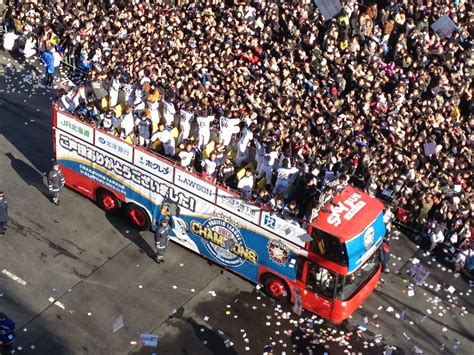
(107, 201)
(138, 217)
(276, 288)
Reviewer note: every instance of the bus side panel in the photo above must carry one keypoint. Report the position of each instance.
(91, 167)
(196, 224)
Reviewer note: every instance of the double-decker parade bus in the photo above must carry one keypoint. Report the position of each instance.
(329, 268)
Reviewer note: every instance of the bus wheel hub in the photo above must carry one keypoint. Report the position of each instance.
(277, 289)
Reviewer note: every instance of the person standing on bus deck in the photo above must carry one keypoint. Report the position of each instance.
(209, 167)
(7, 332)
(245, 184)
(166, 138)
(3, 213)
(153, 105)
(186, 156)
(245, 137)
(204, 130)
(286, 174)
(227, 127)
(162, 238)
(266, 168)
(168, 111)
(114, 90)
(185, 119)
(143, 127)
(56, 182)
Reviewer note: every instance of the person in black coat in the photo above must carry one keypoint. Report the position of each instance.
(7, 332)
(3, 213)
(162, 238)
(56, 182)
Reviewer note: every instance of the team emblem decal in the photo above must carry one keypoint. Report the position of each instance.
(278, 252)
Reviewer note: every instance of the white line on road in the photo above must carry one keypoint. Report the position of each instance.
(14, 277)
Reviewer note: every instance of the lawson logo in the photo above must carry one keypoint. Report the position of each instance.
(195, 185)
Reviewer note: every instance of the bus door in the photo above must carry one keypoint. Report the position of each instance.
(317, 286)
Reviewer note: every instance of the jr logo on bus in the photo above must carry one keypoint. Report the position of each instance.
(224, 242)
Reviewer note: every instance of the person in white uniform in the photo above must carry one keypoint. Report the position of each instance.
(168, 112)
(165, 137)
(127, 124)
(286, 174)
(266, 168)
(114, 90)
(209, 167)
(245, 184)
(242, 145)
(204, 130)
(185, 119)
(227, 127)
(186, 156)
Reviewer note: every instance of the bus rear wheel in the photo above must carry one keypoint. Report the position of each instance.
(107, 201)
(276, 288)
(138, 217)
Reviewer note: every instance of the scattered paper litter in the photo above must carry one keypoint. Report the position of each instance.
(411, 293)
(451, 289)
(56, 303)
(118, 324)
(149, 339)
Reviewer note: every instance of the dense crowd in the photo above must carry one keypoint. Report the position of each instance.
(372, 97)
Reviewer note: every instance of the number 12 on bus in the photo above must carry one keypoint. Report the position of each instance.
(332, 265)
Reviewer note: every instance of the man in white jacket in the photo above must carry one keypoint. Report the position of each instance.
(165, 137)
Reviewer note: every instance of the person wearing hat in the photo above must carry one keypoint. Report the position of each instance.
(3, 213)
(56, 182)
(161, 238)
(7, 332)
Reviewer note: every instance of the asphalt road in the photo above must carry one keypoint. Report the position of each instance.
(69, 273)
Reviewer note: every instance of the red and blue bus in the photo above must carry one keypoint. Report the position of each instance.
(331, 266)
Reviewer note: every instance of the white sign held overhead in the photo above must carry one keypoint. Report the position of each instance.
(329, 8)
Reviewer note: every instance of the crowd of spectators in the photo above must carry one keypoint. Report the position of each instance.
(372, 97)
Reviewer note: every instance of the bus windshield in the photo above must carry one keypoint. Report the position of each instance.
(328, 247)
(348, 285)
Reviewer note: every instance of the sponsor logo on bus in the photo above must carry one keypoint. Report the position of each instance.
(114, 146)
(195, 185)
(347, 209)
(278, 251)
(222, 239)
(77, 129)
(153, 165)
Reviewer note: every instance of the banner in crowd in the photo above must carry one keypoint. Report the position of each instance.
(329, 8)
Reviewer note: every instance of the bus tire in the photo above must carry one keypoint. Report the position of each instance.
(138, 217)
(107, 201)
(276, 288)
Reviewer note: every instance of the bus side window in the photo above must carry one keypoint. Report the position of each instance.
(320, 280)
(299, 268)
